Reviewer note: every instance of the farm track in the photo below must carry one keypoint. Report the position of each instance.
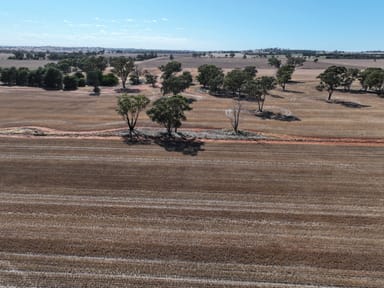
(97, 213)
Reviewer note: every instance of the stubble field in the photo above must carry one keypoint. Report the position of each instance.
(100, 213)
(78, 212)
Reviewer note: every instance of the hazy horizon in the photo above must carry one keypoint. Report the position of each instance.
(342, 25)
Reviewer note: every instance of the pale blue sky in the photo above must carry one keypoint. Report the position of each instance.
(351, 25)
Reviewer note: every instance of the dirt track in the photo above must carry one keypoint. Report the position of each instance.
(101, 213)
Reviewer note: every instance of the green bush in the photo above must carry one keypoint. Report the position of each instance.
(109, 80)
(70, 82)
(81, 82)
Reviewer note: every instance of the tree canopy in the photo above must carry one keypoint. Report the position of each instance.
(274, 61)
(284, 75)
(331, 78)
(169, 112)
(375, 81)
(210, 76)
(53, 79)
(170, 68)
(258, 89)
(122, 66)
(295, 61)
(234, 80)
(150, 79)
(94, 79)
(372, 78)
(129, 107)
(347, 78)
(70, 82)
(176, 84)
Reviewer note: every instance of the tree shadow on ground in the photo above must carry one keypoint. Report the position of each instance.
(269, 115)
(293, 91)
(179, 143)
(276, 96)
(183, 145)
(348, 104)
(127, 90)
(137, 139)
(352, 91)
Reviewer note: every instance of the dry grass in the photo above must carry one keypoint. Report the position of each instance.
(31, 64)
(103, 214)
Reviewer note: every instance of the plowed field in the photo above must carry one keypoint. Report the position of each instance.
(101, 213)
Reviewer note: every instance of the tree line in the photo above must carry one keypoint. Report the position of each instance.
(52, 78)
(69, 74)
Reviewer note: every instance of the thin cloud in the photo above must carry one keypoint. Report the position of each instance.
(30, 21)
(164, 19)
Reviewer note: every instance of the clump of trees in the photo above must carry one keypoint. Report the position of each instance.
(339, 76)
(48, 78)
(211, 77)
(295, 61)
(239, 84)
(173, 83)
(60, 75)
(27, 55)
(284, 72)
(372, 79)
(167, 111)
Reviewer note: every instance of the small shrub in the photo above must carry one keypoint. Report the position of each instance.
(81, 82)
(109, 80)
(70, 82)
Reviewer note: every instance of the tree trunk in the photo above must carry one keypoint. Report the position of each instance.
(169, 130)
(130, 133)
(259, 105)
(330, 94)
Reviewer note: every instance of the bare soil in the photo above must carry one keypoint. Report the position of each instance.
(86, 213)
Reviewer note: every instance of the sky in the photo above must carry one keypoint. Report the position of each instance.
(346, 25)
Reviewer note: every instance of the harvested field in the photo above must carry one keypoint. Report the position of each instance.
(31, 64)
(261, 63)
(80, 207)
(301, 110)
(101, 213)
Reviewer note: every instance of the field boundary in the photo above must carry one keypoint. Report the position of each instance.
(207, 135)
